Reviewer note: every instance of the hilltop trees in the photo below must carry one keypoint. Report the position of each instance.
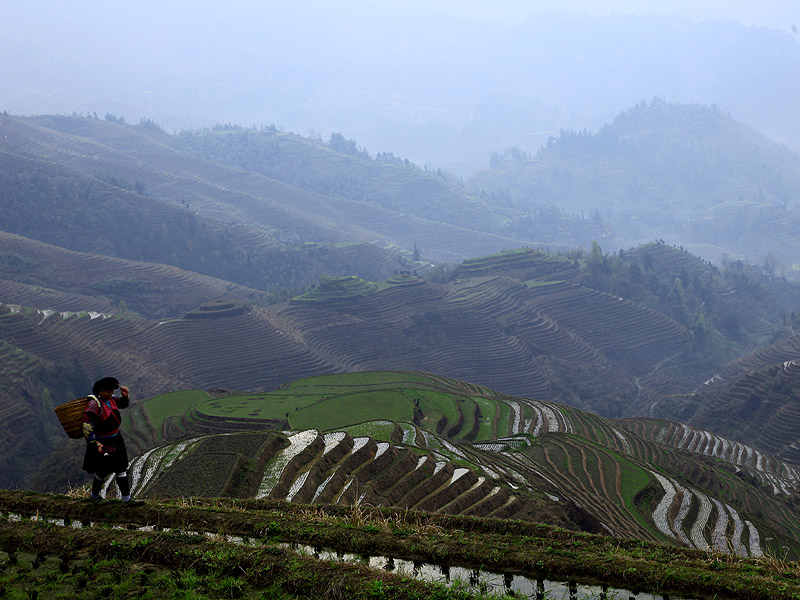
(682, 171)
(708, 300)
(345, 146)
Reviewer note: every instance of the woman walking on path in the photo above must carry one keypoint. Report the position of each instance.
(105, 447)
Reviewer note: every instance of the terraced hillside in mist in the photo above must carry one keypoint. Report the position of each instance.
(411, 440)
(264, 208)
(519, 321)
(87, 281)
(686, 173)
(520, 335)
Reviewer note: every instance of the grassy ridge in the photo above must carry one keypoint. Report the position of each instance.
(503, 546)
(172, 404)
(334, 402)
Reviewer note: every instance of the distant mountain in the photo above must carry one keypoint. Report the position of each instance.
(78, 193)
(685, 173)
(682, 172)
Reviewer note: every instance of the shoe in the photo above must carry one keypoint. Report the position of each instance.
(129, 501)
(95, 499)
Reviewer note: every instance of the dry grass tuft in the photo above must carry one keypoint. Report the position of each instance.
(77, 491)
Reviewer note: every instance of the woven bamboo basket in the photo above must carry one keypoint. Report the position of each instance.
(71, 416)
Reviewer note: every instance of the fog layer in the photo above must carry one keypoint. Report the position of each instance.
(440, 89)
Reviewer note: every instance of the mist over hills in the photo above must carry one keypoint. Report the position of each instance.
(612, 332)
(440, 90)
(686, 173)
(256, 209)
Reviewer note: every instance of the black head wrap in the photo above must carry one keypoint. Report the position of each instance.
(106, 384)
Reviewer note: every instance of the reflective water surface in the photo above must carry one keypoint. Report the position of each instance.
(515, 586)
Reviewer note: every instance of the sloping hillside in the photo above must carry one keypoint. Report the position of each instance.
(89, 282)
(262, 207)
(103, 211)
(497, 331)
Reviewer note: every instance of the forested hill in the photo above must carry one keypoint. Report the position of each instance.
(339, 167)
(115, 213)
(255, 205)
(682, 172)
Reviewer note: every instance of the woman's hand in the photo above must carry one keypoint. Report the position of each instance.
(124, 390)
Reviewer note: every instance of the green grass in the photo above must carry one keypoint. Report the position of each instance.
(172, 404)
(357, 380)
(537, 283)
(379, 430)
(258, 406)
(163, 564)
(336, 401)
(341, 411)
(337, 288)
(100, 563)
(468, 408)
(633, 479)
(496, 257)
(504, 420)
(435, 404)
(486, 430)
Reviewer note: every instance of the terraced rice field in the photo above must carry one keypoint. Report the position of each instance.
(492, 329)
(758, 405)
(633, 478)
(157, 290)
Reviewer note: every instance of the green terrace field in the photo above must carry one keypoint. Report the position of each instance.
(523, 263)
(172, 404)
(333, 402)
(423, 442)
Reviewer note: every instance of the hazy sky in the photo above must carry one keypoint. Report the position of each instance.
(776, 14)
(442, 82)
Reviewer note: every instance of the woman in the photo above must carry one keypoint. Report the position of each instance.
(105, 448)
